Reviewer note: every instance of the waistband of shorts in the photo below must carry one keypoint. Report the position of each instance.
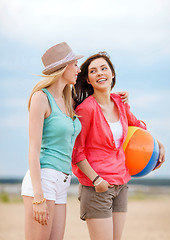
(66, 174)
(54, 170)
(114, 186)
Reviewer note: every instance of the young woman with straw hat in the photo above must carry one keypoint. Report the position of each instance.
(53, 127)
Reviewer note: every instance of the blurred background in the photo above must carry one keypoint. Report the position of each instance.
(136, 35)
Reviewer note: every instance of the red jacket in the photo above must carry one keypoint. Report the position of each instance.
(96, 142)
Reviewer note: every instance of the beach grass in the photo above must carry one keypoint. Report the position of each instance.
(10, 198)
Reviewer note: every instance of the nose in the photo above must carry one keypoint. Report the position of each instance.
(78, 70)
(99, 73)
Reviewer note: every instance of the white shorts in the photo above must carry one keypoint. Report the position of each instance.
(54, 185)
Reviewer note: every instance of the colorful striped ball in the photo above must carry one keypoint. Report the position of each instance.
(141, 152)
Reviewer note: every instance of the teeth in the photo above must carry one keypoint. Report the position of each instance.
(101, 80)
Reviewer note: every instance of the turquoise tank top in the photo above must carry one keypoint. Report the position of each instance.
(58, 138)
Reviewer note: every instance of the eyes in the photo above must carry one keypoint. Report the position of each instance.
(75, 63)
(95, 70)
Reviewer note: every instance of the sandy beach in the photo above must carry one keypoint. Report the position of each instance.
(148, 218)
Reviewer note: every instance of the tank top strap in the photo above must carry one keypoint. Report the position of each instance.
(50, 99)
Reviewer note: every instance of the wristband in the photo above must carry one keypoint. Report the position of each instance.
(101, 180)
(95, 179)
(39, 202)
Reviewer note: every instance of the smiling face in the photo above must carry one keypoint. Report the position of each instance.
(71, 73)
(99, 74)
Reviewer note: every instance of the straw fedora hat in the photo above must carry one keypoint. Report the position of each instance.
(57, 57)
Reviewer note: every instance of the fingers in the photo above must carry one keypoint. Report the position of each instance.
(102, 187)
(161, 157)
(123, 93)
(40, 220)
(47, 215)
(124, 96)
(36, 216)
(158, 165)
(40, 217)
(160, 161)
(44, 219)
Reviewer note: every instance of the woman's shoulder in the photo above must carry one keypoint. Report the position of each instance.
(39, 98)
(86, 108)
(115, 96)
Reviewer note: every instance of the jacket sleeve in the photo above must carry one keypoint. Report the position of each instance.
(132, 120)
(79, 151)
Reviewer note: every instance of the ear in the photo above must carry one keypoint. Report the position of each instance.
(88, 81)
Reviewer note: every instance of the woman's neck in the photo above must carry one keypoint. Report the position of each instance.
(57, 89)
(103, 98)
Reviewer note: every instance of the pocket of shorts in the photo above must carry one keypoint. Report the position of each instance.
(68, 181)
(46, 175)
(124, 186)
(48, 178)
(101, 193)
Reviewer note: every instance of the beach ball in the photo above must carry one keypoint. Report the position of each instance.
(141, 151)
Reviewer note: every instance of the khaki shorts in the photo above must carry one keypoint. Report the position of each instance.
(101, 204)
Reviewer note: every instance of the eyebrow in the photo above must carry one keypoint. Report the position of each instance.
(95, 67)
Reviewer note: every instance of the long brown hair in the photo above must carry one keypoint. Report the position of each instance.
(82, 89)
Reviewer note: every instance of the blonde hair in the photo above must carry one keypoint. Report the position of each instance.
(49, 80)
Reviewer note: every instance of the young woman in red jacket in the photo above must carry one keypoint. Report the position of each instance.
(98, 156)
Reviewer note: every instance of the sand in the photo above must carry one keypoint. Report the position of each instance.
(147, 219)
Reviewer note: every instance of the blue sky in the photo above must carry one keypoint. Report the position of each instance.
(136, 34)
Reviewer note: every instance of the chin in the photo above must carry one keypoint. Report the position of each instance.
(104, 89)
(72, 83)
